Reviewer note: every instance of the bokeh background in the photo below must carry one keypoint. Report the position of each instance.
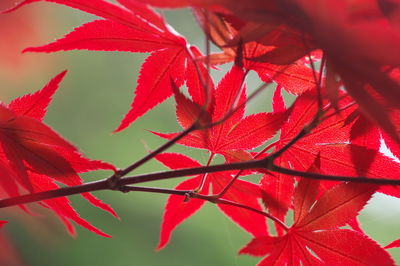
(90, 103)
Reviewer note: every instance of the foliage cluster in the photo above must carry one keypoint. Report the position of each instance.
(319, 157)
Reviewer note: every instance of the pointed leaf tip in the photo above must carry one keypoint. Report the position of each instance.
(100, 204)
(154, 85)
(35, 105)
(394, 244)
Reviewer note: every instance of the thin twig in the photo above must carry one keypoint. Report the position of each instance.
(185, 193)
(273, 218)
(162, 148)
(357, 179)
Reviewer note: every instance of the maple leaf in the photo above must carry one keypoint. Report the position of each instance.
(232, 134)
(33, 156)
(178, 209)
(316, 237)
(331, 142)
(131, 26)
(358, 38)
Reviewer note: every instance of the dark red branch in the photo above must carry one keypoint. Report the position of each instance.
(265, 163)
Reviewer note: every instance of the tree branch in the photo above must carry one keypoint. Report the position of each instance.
(104, 184)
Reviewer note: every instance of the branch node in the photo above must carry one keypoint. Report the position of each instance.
(214, 198)
(269, 163)
(124, 189)
(189, 195)
(113, 181)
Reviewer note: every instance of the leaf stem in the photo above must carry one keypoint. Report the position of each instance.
(204, 177)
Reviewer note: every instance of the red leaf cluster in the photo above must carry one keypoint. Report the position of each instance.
(233, 133)
(337, 57)
(34, 157)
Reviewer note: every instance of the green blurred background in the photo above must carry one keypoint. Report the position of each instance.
(92, 100)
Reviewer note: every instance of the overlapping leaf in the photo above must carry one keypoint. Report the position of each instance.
(33, 156)
(272, 38)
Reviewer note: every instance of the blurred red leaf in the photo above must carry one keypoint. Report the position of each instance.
(34, 155)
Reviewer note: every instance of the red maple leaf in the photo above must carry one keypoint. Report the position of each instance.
(271, 38)
(33, 156)
(233, 134)
(178, 209)
(360, 40)
(331, 141)
(316, 237)
(131, 26)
